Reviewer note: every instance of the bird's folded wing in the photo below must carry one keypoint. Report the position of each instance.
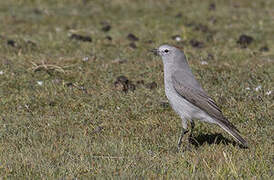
(199, 98)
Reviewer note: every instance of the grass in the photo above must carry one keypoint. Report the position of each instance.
(62, 117)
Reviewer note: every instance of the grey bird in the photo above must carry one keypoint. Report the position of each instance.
(187, 97)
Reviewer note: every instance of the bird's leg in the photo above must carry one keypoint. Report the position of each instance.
(184, 131)
(192, 125)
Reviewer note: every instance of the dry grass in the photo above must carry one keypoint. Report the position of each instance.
(63, 117)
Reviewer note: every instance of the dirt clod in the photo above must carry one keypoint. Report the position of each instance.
(212, 7)
(11, 42)
(132, 37)
(196, 44)
(81, 38)
(244, 40)
(123, 84)
(151, 85)
(106, 28)
(264, 48)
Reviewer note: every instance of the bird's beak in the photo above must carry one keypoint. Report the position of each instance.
(155, 52)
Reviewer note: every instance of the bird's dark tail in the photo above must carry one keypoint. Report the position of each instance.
(230, 129)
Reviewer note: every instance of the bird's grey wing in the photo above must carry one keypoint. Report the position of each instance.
(191, 90)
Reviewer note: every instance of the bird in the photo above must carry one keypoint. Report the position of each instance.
(187, 97)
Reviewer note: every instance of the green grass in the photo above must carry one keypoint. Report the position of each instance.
(77, 124)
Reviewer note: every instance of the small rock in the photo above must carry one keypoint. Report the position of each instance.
(132, 37)
(152, 85)
(264, 48)
(196, 44)
(268, 93)
(85, 59)
(106, 28)
(245, 40)
(40, 83)
(204, 63)
(1, 72)
(247, 88)
(81, 38)
(177, 38)
(132, 45)
(258, 88)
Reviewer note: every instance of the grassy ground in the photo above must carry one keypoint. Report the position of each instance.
(63, 117)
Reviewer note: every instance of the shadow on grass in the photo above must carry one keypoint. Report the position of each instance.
(216, 138)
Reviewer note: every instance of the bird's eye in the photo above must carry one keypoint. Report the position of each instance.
(166, 51)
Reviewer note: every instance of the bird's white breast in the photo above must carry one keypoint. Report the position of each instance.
(185, 109)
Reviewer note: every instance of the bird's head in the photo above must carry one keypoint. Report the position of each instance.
(168, 53)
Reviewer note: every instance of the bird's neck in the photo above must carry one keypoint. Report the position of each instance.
(170, 68)
(168, 72)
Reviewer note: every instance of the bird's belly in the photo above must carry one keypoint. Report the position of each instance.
(185, 109)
